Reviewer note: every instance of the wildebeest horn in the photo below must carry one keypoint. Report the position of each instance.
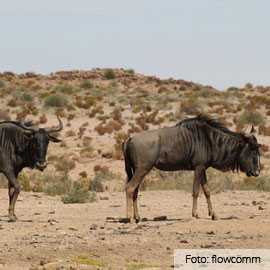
(31, 128)
(53, 129)
(244, 129)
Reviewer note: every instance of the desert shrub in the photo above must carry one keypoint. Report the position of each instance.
(256, 183)
(43, 119)
(109, 74)
(190, 106)
(182, 88)
(78, 194)
(4, 115)
(86, 84)
(249, 85)
(3, 181)
(2, 83)
(26, 97)
(131, 71)
(24, 182)
(64, 165)
(66, 89)
(59, 187)
(232, 88)
(88, 149)
(56, 100)
(196, 87)
(70, 133)
(95, 184)
(12, 102)
(207, 93)
(250, 117)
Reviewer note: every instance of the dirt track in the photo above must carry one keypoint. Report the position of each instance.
(50, 231)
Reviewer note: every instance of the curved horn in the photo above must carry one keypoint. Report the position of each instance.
(252, 130)
(32, 128)
(52, 129)
(244, 129)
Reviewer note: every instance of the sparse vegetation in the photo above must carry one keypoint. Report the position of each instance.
(250, 117)
(56, 100)
(109, 74)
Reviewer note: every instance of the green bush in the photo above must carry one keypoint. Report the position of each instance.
(66, 89)
(58, 187)
(131, 71)
(250, 117)
(232, 88)
(109, 74)
(256, 183)
(27, 97)
(207, 93)
(249, 85)
(96, 184)
(196, 87)
(78, 194)
(56, 100)
(86, 84)
(2, 83)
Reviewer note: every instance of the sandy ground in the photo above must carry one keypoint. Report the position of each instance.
(50, 231)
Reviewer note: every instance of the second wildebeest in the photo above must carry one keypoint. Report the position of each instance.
(193, 144)
(22, 144)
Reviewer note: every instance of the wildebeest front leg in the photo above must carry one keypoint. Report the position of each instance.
(13, 192)
(206, 191)
(195, 194)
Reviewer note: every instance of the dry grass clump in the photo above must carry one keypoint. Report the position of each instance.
(65, 89)
(64, 166)
(250, 117)
(4, 115)
(43, 119)
(55, 100)
(190, 106)
(70, 133)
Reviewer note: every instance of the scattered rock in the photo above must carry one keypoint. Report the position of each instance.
(161, 218)
(261, 208)
(52, 266)
(93, 227)
(52, 221)
(210, 233)
(184, 241)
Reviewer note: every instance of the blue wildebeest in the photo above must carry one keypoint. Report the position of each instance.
(22, 144)
(193, 144)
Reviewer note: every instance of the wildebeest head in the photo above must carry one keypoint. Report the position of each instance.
(250, 155)
(41, 138)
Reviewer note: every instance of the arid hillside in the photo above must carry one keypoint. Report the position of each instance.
(101, 107)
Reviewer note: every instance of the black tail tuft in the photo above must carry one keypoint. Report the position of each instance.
(128, 162)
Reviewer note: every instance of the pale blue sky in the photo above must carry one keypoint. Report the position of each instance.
(222, 43)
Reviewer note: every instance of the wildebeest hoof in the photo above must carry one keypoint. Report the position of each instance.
(196, 216)
(138, 219)
(12, 219)
(132, 220)
(214, 217)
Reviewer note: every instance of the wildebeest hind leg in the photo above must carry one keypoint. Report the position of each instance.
(206, 191)
(135, 205)
(195, 194)
(13, 191)
(132, 194)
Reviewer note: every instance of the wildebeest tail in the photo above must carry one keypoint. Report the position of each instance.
(128, 161)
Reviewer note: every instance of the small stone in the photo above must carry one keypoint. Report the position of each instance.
(161, 218)
(93, 227)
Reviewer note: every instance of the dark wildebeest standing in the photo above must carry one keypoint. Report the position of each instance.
(193, 144)
(22, 145)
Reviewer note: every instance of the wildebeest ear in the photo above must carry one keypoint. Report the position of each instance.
(28, 134)
(241, 140)
(53, 139)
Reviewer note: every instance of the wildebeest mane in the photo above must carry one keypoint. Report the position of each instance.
(206, 119)
(212, 138)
